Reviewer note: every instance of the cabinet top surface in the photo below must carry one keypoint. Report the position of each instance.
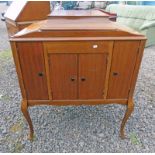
(79, 24)
(77, 13)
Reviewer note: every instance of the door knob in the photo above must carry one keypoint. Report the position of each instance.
(115, 73)
(40, 74)
(83, 79)
(72, 79)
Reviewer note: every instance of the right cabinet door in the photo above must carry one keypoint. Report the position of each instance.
(92, 72)
(122, 67)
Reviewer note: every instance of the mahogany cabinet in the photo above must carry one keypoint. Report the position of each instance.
(77, 61)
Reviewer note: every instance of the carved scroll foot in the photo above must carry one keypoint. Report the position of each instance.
(129, 110)
(24, 109)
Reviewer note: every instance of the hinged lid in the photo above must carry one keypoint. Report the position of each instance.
(28, 10)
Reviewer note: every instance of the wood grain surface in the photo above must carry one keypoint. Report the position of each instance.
(32, 64)
(123, 63)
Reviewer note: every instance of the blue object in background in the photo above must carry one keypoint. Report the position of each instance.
(148, 3)
(68, 5)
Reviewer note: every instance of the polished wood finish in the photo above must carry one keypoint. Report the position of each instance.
(123, 63)
(89, 27)
(47, 72)
(92, 73)
(21, 14)
(18, 70)
(42, 9)
(24, 109)
(74, 14)
(63, 76)
(129, 110)
(137, 66)
(33, 69)
(77, 102)
(109, 60)
(82, 61)
(75, 47)
(20, 11)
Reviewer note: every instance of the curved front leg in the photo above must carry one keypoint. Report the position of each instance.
(129, 110)
(24, 109)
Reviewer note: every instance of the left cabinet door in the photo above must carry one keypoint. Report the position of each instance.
(31, 59)
(63, 76)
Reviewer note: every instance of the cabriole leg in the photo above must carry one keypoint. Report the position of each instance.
(24, 109)
(129, 110)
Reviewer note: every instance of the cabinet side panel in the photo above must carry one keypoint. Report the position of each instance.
(136, 70)
(33, 69)
(18, 69)
(123, 63)
(63, 76)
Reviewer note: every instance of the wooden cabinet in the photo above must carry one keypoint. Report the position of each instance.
(80, 61)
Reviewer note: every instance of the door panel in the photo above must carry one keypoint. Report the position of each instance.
(33, 70)
(92, 72)
(123, 62)
(63, 76)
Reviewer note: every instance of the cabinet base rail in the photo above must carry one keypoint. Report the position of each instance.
(26, 103)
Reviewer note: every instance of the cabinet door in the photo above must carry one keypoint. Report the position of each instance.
(63, 76)
(33, 70)
(123, 62)
(92, 72)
